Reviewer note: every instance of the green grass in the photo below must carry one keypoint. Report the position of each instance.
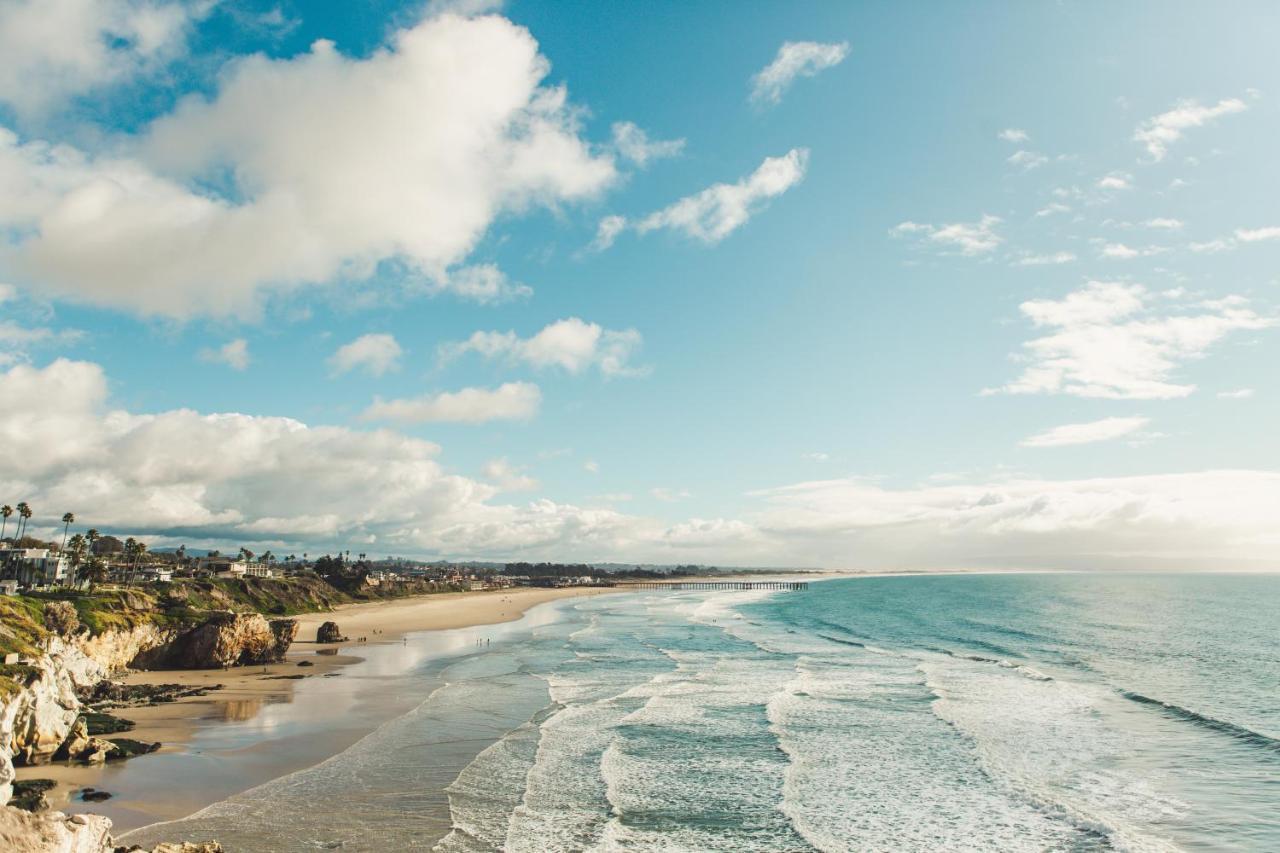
(21, 625)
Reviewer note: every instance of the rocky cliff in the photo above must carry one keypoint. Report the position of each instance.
(224, 639)
(38, 716)
(55, 832)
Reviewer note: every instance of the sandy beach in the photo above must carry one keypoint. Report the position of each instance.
(247, 693)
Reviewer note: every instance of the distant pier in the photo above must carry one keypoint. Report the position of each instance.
(678, 586)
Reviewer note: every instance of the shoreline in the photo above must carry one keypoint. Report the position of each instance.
(252, 700)
(189, 726)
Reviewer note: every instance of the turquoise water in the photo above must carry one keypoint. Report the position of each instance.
(997, 712)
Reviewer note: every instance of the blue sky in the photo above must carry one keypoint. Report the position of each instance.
(892, 284)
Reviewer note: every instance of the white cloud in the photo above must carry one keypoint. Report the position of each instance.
(339, 164)
(571, 344)
(1027, 160)
(1165, 223)
(1105, 340)
(1014, 134)
(219, 480)
(510, 401)
(669, 495)
(1254, 235)
(607, 231)
(1086, 433)
(234, 354)
(1043, 260)
(795, 59)
(1119, 251)
(56, 49)
(1199, 520)
(507, 477)
(1115, 181)
(375, 354)
(634, 144)
(1052, 208)
(817, 456)
(591, 466)
(1212, 246)
(483, 283)
(1158, 133)
(1237, 394)
(719, 210)
(970, 238)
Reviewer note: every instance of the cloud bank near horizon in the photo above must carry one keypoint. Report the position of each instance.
(284, 484)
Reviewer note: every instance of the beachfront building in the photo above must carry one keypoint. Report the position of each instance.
(34, 566)
(229, 567)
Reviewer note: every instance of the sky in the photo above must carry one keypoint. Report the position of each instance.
(851, 285)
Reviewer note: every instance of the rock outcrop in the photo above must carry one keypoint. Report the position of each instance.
(329, 632)
(225, 639)
(55, 832)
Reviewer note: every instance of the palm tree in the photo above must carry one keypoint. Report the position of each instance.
(139, 550)
(95, 571)
(77, 550)
(67, 518)
(5, 511)
(24, 512)
(130, 545)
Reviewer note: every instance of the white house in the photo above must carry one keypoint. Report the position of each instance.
(35, 566)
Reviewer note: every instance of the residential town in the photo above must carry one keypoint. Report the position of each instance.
(84, 559)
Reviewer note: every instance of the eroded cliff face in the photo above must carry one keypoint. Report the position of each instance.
(225, 639)
(55, 832)
(38, 720)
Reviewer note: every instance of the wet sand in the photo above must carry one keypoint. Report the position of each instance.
(268, 721)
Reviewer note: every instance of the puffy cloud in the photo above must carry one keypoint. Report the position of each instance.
(507, 477)
(635, 145)
(17, 340)
(234, 354)
(511, 401)
(719, 210)
(667, 495)
(1052, 208)
(375, 354)
(1027, 160)
(1158, 133)
(970, 238)
(1105, 340)
(55, 49)
(227, 479)
(1051, 258)
(1119, 251)
(571, 344)
(1237, 394)
(795, 59)
(607, 231)
(1086, 433)
(1014, 134)
(329, 166)
(1164, 222)
(483, 283)
(1116, 181)
(1201, 520)
(1254, 235)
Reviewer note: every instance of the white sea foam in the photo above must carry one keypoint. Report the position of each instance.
(1047, 741)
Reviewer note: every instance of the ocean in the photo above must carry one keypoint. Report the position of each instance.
(1004, 712)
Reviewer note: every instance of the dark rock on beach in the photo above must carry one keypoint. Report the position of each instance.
(329, 632)
(29, 794)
